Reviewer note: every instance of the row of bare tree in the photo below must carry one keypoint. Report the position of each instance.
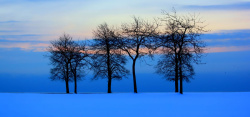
(175, 38)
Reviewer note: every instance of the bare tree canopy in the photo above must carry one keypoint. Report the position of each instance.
(181, 46)
(68, 60)
(136, 40)
(108, 61)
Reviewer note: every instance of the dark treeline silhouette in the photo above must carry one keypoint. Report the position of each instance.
(175, 38)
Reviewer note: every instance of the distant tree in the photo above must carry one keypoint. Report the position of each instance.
(67, 57)
(108, 61)
(137, 40)
(181, 46)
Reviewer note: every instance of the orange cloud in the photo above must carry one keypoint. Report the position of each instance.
(227, 49)
(26, 46)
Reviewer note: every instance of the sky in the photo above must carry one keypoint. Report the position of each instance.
(28, 26)
(31, 24)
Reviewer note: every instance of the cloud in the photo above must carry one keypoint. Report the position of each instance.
(227, 38)
(227, 49)
(36, 47)
(40, 47)
(25, 37)
(9, 21)
(220, 41)
(20, 1)
(227, 41)
(8, 31)
(17, 36)
(235, 6)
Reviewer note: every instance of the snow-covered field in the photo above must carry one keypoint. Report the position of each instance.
(226, 104)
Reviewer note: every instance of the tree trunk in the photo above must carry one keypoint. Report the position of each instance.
(75, 83)
(134, 77)
(109, 67)
(109, 85)
(181, 88)
(67, 85)
(67, 78)
(176, 74)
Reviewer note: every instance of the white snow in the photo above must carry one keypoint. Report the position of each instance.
(221, 104)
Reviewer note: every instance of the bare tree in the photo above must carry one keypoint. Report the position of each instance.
(67, 57)
(181, 46)
(169, 63)
(78, 54)
(169, 67)
(108, 61)
(136, 40)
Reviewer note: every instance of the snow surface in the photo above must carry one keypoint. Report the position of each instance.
(227, 104)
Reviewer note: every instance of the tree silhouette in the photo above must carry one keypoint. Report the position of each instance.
(167, 66)
(79, 54)
(108, 61)
(67, 57)
(181, 46)
(136, 41)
